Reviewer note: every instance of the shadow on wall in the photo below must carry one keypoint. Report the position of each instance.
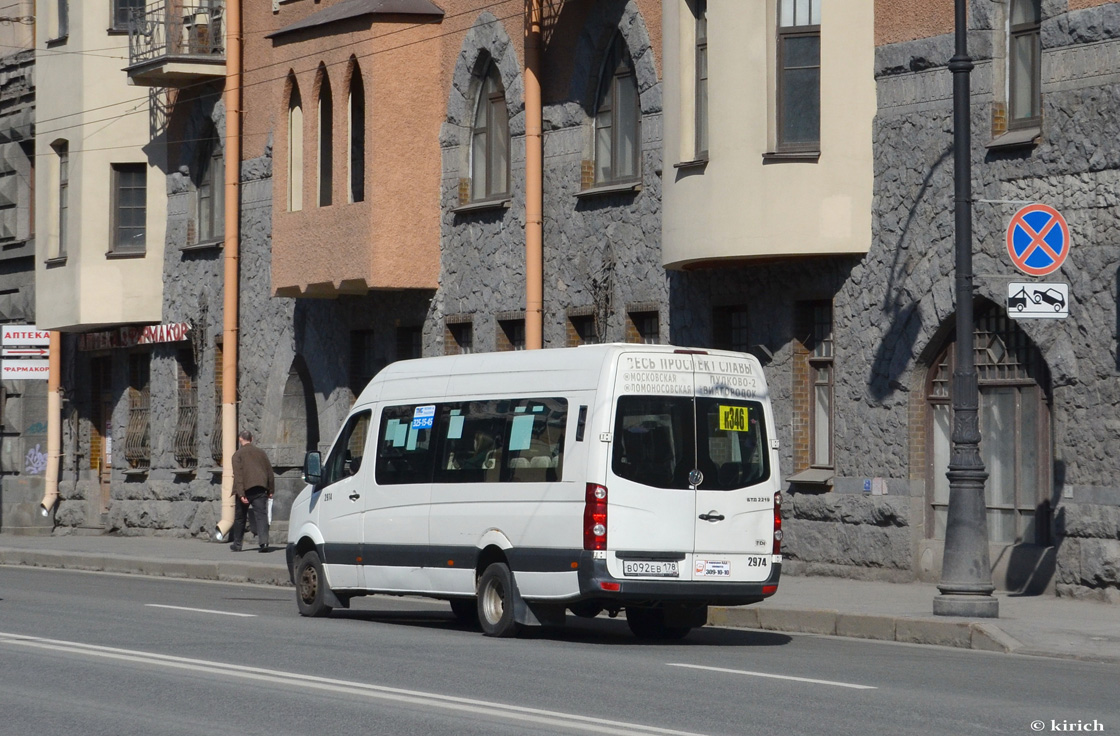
(897, 347)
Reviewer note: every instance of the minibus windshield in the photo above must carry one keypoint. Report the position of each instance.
(658, 443)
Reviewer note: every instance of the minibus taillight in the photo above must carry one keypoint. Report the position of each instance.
(777, 522)
(595, 518)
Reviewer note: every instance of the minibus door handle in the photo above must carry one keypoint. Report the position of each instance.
(355, 496)
(712, 515)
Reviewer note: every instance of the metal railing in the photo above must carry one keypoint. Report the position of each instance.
(171, 28)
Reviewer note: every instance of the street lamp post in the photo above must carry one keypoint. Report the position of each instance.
(966, 576)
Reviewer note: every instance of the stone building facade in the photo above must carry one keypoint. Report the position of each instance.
(23, 408)
(602, 279)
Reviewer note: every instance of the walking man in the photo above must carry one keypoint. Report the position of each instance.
(253, 485)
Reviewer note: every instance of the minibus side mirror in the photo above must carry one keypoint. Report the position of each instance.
(313, 468)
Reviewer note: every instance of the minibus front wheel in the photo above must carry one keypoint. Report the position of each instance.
(495, 601)
(311, 586)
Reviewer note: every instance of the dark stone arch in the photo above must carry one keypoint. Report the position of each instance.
(297, 432)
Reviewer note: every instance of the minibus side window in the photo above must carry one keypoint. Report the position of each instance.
(348, 451)
(535, 452)
(501, 440)
(473, 436)
(404, 445)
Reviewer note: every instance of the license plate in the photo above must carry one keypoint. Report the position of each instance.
(649, 567)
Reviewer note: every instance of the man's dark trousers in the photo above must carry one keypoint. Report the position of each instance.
(258, 499)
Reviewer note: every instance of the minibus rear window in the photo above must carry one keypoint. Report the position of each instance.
(658, 440)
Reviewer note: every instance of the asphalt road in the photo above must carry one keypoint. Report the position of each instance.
(91, 654)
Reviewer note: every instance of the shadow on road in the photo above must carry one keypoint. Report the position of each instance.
(600, 631)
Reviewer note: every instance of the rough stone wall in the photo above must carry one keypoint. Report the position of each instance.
(898, 303)
(23, 406)
(601, 252)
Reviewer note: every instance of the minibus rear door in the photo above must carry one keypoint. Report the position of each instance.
(650, 506)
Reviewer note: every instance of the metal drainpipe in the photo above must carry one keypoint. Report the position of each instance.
(232, 98)
(534, 188)
(54, 425)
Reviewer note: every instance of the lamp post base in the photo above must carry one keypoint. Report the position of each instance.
(967, 606)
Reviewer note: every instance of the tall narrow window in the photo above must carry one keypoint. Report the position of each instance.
(61, 20)
(62, 150)
(821, 375)
(130, 207)
(1025, 64)
(326, 140)
(186, 424)
(490, 139)
(211, 168)
(137, 438)
(617, 119)
(216, 433)
(295, 149)
(701, 79)
(799, 75)
(357, 142)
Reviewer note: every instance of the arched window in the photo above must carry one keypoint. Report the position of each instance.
(209, 177)
(617, 119)
(490, 139)
(326, 139)
(357, 142)
(1014, 431)
(295, 148)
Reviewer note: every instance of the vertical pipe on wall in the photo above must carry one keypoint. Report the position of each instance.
(232, 98)
(534, 194)
(54, 424)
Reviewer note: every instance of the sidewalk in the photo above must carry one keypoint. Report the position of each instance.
(1043, 626)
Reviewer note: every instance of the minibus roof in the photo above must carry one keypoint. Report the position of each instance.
(554, 369)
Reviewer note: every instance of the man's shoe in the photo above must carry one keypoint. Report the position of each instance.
(235, 547)
(264, 548)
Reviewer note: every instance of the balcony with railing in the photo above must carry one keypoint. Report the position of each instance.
(171, 44)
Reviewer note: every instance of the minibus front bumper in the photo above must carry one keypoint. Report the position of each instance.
(595, 583)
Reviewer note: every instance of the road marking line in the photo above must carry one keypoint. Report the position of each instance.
(775, 677)
(200, 610)
(571, 721)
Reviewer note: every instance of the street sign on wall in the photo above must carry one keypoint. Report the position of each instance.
(24, 353)
(1037, 301)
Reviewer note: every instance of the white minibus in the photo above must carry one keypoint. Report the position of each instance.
(522, 485)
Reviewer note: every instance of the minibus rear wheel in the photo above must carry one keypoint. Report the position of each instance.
(495, 601)
(311, 586)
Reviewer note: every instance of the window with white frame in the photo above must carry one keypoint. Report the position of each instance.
(490, 139)
(130, 208)
(1024, 60)
(617, 119)
(816, 321)
(701, 9)
(799, 75)
(62, 151)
